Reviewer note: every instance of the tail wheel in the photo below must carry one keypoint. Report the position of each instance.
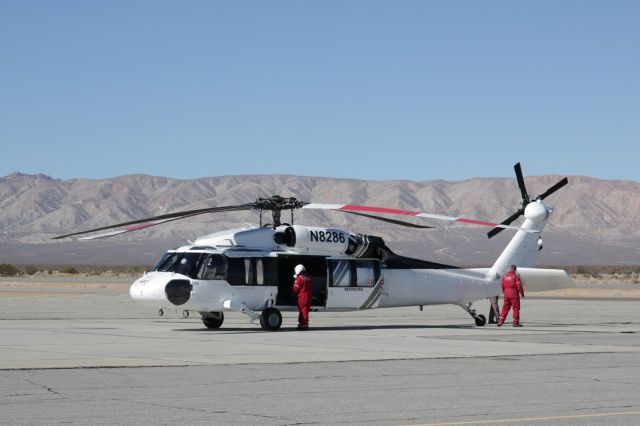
(271, 319)
(213, 319)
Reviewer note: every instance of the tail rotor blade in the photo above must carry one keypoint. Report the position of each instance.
(523, 188)
(507, 221)
(554, 188)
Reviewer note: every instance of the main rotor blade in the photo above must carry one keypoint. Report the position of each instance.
(507, 221)
(134, 228)
(554, 188)
(385, 219)
(523, 188)
(160, 219)
(384, 210)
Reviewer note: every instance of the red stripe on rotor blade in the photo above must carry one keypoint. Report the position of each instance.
(136, 227)
(378, 210)
(476, 222)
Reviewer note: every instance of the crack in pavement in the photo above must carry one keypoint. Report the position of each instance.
(45, 387)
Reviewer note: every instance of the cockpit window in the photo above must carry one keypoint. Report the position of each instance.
(212, 267)
(180, 263)
(162, 260)
(237, 271)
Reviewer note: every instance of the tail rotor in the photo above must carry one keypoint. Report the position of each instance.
(526, 199)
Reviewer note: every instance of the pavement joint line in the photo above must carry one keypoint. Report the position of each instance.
(209, 364)
(532, 419)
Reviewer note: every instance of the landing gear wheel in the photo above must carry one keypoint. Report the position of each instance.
(480, 320)
(271, 319)
(213, 320)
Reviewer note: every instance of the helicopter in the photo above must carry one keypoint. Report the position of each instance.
(249, 270)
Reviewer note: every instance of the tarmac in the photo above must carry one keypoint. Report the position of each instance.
(87, 354)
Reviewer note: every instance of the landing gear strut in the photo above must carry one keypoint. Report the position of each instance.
(479, 318)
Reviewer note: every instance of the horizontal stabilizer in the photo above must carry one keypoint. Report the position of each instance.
(534, 279)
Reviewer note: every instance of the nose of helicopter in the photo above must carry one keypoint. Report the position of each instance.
(149, 288)
(156, 289)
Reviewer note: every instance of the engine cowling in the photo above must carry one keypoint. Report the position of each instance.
(330, 240)
(307, 238)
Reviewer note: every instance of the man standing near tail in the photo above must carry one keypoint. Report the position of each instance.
(302, 288)
(512, 290)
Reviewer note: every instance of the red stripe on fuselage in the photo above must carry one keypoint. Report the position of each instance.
(378, 210)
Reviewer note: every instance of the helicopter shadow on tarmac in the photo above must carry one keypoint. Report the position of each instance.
(237, 330)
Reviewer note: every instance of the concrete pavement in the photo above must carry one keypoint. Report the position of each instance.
(91, 358)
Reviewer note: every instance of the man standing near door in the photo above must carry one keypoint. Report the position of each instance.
(302, 288)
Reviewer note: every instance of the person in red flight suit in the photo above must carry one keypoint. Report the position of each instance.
(302, 288)
(512, 290)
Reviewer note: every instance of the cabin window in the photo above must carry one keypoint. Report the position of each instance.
(259, 272)
(340, 273)
(269, 266)
(235, 271)
(248, 272)
(365, 273)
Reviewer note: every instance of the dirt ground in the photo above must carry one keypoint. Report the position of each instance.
(56, 284)
(603, 286)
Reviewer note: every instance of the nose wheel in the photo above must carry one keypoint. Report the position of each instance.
(271, 319)
(213, 319)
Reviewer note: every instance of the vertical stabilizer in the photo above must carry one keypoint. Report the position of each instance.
(524, 247)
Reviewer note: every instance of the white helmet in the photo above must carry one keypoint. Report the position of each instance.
(298, 269)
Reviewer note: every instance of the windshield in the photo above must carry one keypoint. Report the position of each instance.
(180, 263)
(161, 261)
(203, 266)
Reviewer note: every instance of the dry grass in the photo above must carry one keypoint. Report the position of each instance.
(604, 273)
(74, 270)
(580, 273)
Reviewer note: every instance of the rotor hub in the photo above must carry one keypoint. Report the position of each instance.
(536, 211)
(276, 204)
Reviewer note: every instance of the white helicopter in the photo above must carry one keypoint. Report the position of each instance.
(249, 270)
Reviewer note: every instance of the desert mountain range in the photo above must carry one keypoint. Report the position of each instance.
(595, 221)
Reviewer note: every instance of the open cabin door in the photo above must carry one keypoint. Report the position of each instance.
(354, 284)
(316, 267)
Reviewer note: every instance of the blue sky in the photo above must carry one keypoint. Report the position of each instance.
(415, 90)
